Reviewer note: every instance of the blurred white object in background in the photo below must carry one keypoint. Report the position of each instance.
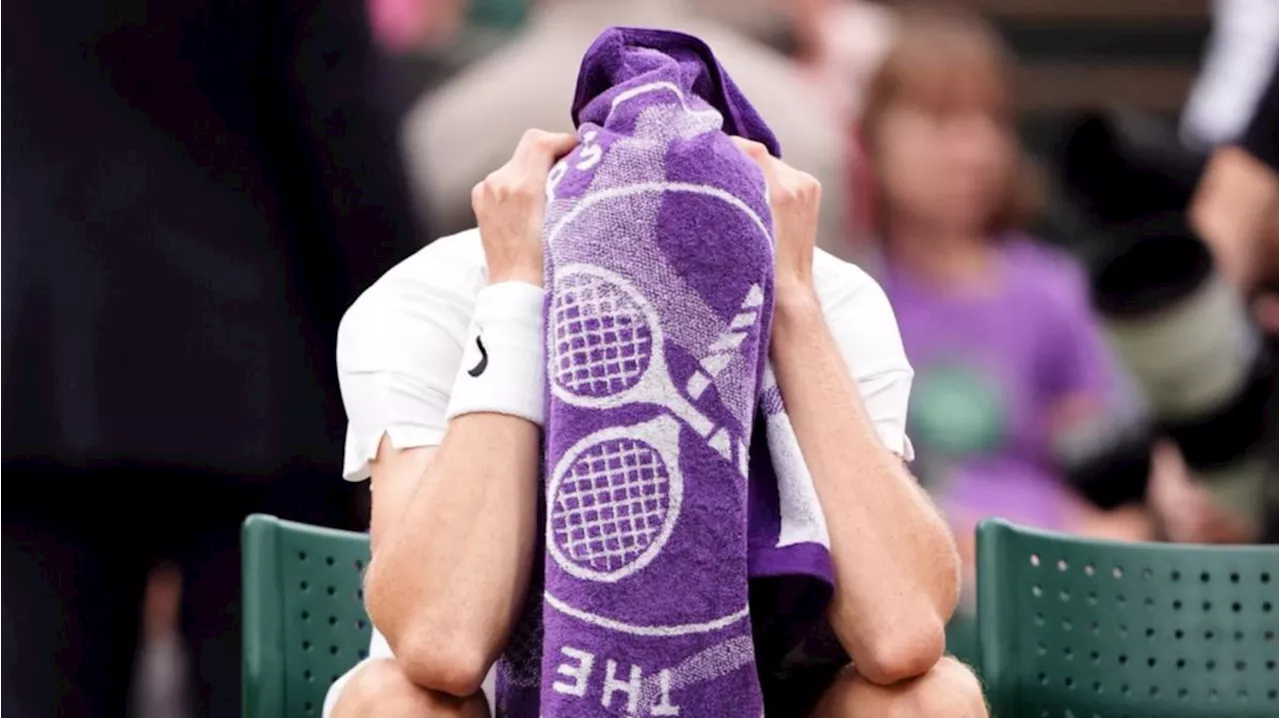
(160, 680)
(839, 42)
(161, 673)
(854, 37)
(1238, 62)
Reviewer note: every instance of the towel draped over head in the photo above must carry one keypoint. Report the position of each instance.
(672, 474)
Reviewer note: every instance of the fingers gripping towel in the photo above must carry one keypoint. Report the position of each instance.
(658, 504)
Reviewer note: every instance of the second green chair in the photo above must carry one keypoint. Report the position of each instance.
(1075, 628)
(304, 618)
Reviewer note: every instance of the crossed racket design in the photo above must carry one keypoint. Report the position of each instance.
(607, 347)
(615, 496)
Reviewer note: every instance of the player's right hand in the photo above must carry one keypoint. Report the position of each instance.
(510, 204)
(794, 198)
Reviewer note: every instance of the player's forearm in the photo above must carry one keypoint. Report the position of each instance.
(897, 576)
(450, 575)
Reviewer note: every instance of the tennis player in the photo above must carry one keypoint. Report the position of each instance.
(447, 429)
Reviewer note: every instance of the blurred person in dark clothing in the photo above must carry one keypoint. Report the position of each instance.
(1181, 243)
(193, 193)
(1236, 210)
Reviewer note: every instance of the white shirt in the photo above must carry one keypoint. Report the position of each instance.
(400, 345)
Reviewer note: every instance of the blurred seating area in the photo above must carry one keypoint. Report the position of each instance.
(1070, 204)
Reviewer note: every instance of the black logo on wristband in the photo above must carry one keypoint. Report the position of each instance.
(483, 364)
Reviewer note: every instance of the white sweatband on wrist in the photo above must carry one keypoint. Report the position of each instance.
(503, 370)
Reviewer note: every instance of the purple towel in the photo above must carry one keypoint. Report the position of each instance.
(658, 504)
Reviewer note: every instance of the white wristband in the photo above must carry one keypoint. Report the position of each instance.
(503, 370)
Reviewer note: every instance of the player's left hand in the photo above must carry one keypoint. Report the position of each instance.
(794, 197)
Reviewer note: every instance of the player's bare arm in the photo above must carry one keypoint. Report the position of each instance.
(454, 526)
(897, 573)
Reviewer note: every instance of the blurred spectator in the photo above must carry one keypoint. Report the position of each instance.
(769, 22)
(1235, 207)
(1182, 331)
(998, 327)
(159, 687)
(402, 25)
(1187, 511)
(194, 192)
(458, 134)
(842, 44)
(1237, 211)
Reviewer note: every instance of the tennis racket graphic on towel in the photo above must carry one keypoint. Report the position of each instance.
(607, 347)
(614, 498)
(725, 347)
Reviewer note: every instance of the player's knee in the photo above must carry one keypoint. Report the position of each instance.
(949, 689)
(380, 688)
(377, 687)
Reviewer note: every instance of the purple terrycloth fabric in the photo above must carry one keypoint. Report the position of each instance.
(658, 505)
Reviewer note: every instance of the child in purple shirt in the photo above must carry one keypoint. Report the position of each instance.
(998, 370)
(998, 328)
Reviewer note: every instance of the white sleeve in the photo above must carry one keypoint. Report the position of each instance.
(1233, 72)
(399, 347)
(864, 326)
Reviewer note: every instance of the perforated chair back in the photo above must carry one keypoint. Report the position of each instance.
(304, 618)
(1076, 628)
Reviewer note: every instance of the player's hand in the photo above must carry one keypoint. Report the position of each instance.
(510, 204)
(794, 197)
(1187, 511)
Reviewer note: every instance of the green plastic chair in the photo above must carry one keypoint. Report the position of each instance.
(304, 617)
(1077, 628)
